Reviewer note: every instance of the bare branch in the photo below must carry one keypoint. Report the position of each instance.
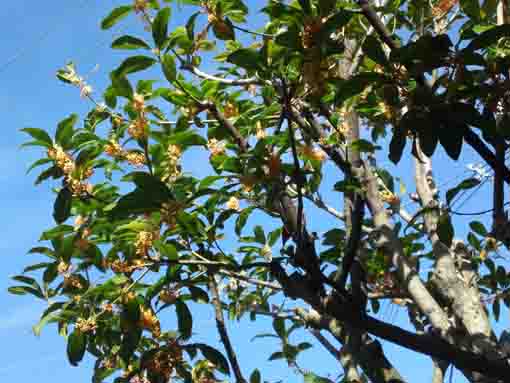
(222, 330)
(232, 82)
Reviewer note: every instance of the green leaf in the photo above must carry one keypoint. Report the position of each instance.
(115, 16)
(364, 146)
(312, 378)
(167, 250)
(169, 69)
(190, 25)
(372, 47)
(215, 357)
(337, 21)
(260, 237)
(48, 316)
(62, 206)
(129, 42)
(184, 319)
(23, 290)
(149, 195)
(186, 139)
(464, 185)
(198, 295)
(54, 172)
(37, 163)
(471, 8)
(242, 219)
(451, 138)
(277, 355)
(160, 27)
(289, 38)
(50, 273)
(445, 229)
(134, 64)
(397, 145)
(255, 376)
(39, 135)
(65, 130)
(478, 228)
(326, 6)
(76, 345)
(345, 89)
(130, 341)
(496, 309)
(121, 85)
(489, 37)
(306, 6)
(279, 327)
(245, 58)
(334, 237)
(57, 232)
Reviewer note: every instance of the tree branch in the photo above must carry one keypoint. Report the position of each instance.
(239, 139)
(232, 82)
(431, 345)
(222, 330)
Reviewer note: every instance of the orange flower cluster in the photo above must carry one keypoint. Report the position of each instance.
(169, 296)
(173, 167)
(140, 5)
(139, 128)
(164, 361)
(216, 147)
(86, 325)
(113, 149)
(144, 241)
(72, 281)
(312, 153)
(66, 163)
(149, 321)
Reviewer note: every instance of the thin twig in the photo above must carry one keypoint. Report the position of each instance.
(222, 330)
(266, 35)
(206, 76)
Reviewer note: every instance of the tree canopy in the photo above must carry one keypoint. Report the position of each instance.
(237, 161)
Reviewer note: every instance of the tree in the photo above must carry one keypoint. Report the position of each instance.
(279, 119)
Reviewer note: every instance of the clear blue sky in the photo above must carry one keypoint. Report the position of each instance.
(40, 37)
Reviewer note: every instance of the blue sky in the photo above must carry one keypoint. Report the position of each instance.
(41, 37)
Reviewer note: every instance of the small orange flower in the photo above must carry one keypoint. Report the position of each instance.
(139, 128)
(136, 159)
(216, 147)
(233, 204)
(138, 102)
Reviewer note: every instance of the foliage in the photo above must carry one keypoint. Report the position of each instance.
(279, 109)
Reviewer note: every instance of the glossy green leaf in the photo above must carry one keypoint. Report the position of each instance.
(478, 228)
(246, 58)
(129, 42)
(445, 229)
(184, 319)
(464, 185)
(489, 37)
(372, 47)
(255, 376)
(160, 27)
(215, 357)
(115, 16)
(62, 206)
(65, 130)
(76, 346)
(169, 68)
(134, 64)
(40, 135)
